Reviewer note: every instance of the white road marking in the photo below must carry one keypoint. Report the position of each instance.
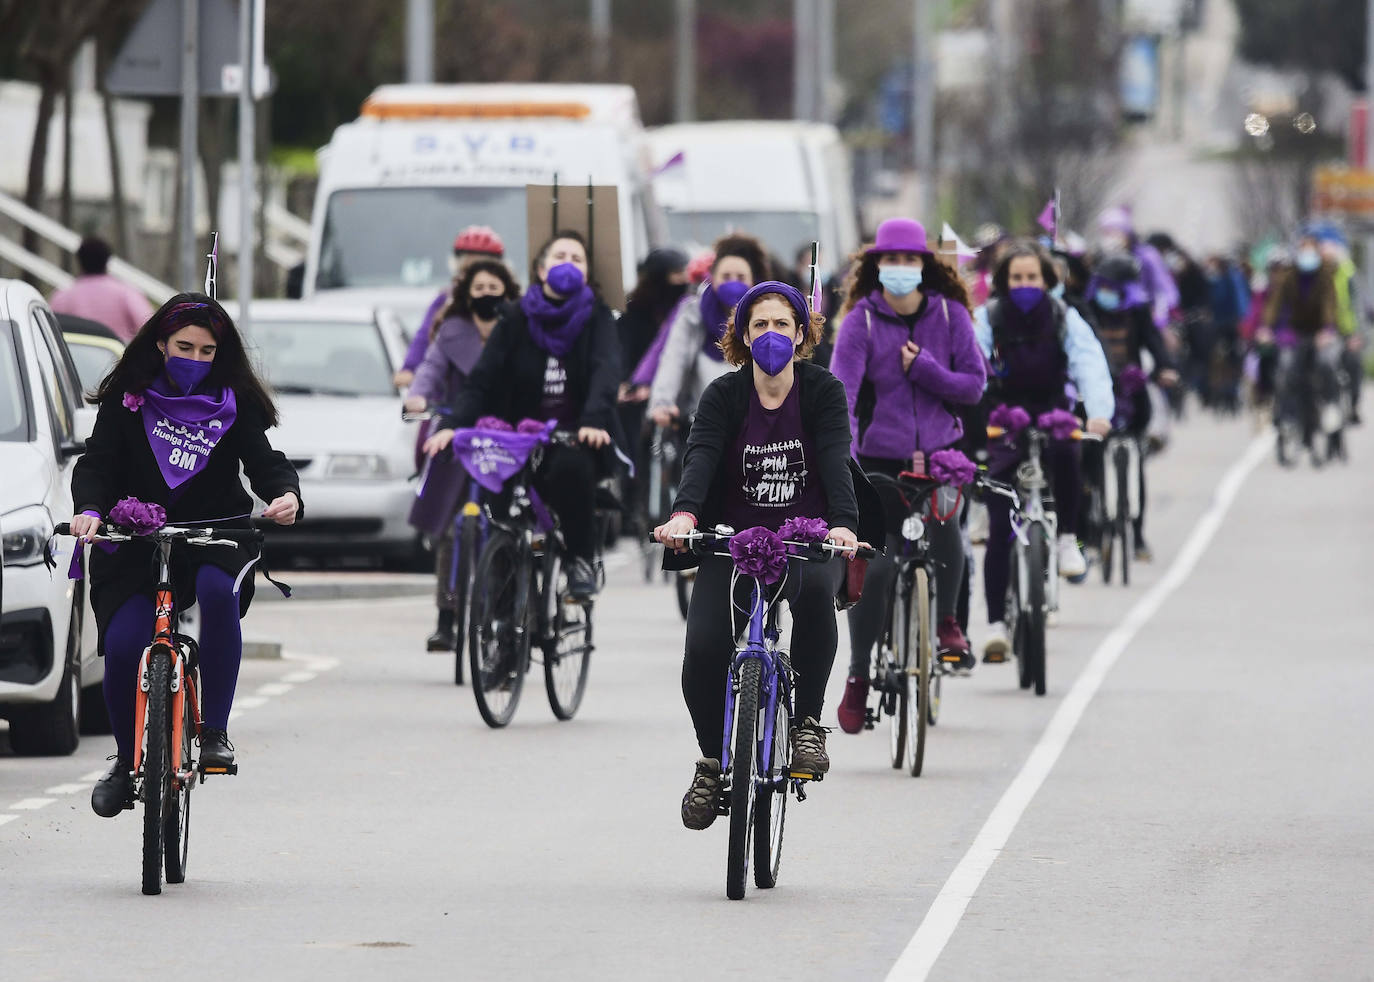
(92, 776)
(6, 819)
(31, 804)
(68, 788)
(249, 702)
(274, 689)
(945, 913)
(297, 677)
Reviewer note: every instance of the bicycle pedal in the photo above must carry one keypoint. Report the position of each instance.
(218, 769)
(805, 776)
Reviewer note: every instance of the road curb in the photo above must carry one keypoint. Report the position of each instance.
(346, 586)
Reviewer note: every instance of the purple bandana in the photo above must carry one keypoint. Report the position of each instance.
(183, 429)
(492, 457)
(716, 306)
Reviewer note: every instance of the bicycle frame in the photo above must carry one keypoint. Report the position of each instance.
(1032, 484)
(183, 683)
(763, 632)
(1121, 443)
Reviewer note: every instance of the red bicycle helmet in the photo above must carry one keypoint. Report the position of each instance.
(479, 238)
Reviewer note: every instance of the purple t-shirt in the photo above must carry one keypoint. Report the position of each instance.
(557, 402)
(770, 474)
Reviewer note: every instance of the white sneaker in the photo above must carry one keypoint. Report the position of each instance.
(998, 642)
(1071, 561)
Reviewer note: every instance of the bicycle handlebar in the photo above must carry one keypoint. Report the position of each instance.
(999, 431)
(710, 538)
(171, 533)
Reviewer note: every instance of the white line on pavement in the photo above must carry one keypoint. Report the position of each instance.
(68, 788)
(274, 689)
(31, 804)
(943, 918)
(6, 819)
(295, 678)
(249, 702)
(92, 776)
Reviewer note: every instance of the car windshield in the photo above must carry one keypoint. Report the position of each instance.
(782, 232)
(303, 357)
(403, 237)
(14, 412)
(93, 362)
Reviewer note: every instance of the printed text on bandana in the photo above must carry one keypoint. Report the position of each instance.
(184, 448)
(774, 474)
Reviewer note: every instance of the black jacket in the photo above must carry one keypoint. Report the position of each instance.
(508, 379)
(722, 410)
(119, 463)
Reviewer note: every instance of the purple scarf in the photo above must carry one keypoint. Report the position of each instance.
(556, 327)
(183, 429)
(713, 315)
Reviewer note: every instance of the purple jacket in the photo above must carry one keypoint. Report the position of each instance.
(420, 343)
(909, 411)
(447, 361)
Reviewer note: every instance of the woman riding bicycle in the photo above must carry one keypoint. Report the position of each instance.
(554, 356)
(460, 329)
(186, 371)
(691, 358)
(906, 350)
(1036, 346)
(1121, 319)
(770, 442)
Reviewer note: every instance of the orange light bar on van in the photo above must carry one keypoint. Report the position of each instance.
(475, 110)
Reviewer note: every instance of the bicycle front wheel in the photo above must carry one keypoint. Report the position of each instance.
(1033, 617)
(770, 802)
(157, 767)
(567, 657)
(1123, 512)
(743, 774)
(917, 677)
(176, 831)
(898, 640)
(462, 591)
(498, 637)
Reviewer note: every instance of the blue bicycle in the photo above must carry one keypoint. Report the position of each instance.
(758, 720)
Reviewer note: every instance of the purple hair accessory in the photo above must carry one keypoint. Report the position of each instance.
(1013, 419)
(1061, 423)
(1132, 380)
(140, 517)
(133, 401)
(804, 530)
(532, 427)
(760, 553)
(952, 467)
(493, 423)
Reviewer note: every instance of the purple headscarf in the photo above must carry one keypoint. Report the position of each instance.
(556, 327)
(789, 293)
(714, 314)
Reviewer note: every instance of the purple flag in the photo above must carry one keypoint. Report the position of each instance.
(1046, 217)
(676, 160)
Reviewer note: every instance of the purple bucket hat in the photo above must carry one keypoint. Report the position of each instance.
(900, 235)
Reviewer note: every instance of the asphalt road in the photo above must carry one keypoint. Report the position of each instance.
(1209, 816)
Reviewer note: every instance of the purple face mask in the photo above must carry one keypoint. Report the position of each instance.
(1026, 298)
(565, 279)
(772, 351)
(187, 373)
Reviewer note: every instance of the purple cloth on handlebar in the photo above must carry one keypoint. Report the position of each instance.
(1132, 380)
(1060, 423)
(1013, 419)
(804, 530)
(760, 553)
(532, 426)
(139, 517)
(952, 467)
(493, 423)
(492, 457)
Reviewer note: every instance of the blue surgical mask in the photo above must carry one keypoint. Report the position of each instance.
(1108, 299)
(187, 373)
(772, 351)
(899, 280)
(1309, 260)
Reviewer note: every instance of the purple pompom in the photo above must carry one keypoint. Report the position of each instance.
(1060, 423)
(804, 530)
(493, 423)
(140, 517)
(1132, 380)
(952, 467)
(532, 426)
(133, 401)
(1013, 419)
(759, 552)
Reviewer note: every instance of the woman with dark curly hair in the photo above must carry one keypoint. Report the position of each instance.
(770, 443)
(178, 413)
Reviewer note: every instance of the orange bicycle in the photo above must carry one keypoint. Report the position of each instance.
(167, 713)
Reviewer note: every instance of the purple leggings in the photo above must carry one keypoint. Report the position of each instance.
(221, 648)
(1064, 464)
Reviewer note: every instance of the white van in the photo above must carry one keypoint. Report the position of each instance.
(424, 161)
(788, 183)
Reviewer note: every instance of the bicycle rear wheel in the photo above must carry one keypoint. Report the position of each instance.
(176, 832)
(462, 590)
(936, 673)
(498, 638)
(567, 656)
(1034, 616)
(743, 774)
(920, 642)
(157, 767)
(770, 803)
(1123, 512)
(898, 641)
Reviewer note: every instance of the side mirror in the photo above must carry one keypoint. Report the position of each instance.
(85, 421)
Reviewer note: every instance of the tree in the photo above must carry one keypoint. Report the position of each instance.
(1315, 35)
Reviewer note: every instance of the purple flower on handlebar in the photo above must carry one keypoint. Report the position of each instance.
(1132, 380)
(952, 467)
(133, 401)
(804, 530)
(1060, 423)
(760, 553)
(532, 426)
(140, 517)
(1013, 419)
(493, 423)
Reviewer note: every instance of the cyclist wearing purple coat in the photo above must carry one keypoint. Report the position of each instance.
(905, 351)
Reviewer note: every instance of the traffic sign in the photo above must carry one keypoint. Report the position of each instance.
(1343, 192)
(149, 63)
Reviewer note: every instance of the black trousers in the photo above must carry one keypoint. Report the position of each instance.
(809, 591)
(566, 481)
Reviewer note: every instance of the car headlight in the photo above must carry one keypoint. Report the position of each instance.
(366, 466)
(23, 534)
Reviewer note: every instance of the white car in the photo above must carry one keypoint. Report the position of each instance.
(330, 369)
(46, 655)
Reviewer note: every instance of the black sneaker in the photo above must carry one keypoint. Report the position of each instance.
(215, 749)
(581, 579)
(442, 638)
(115, 791)
(700, 803)
(808, 748)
